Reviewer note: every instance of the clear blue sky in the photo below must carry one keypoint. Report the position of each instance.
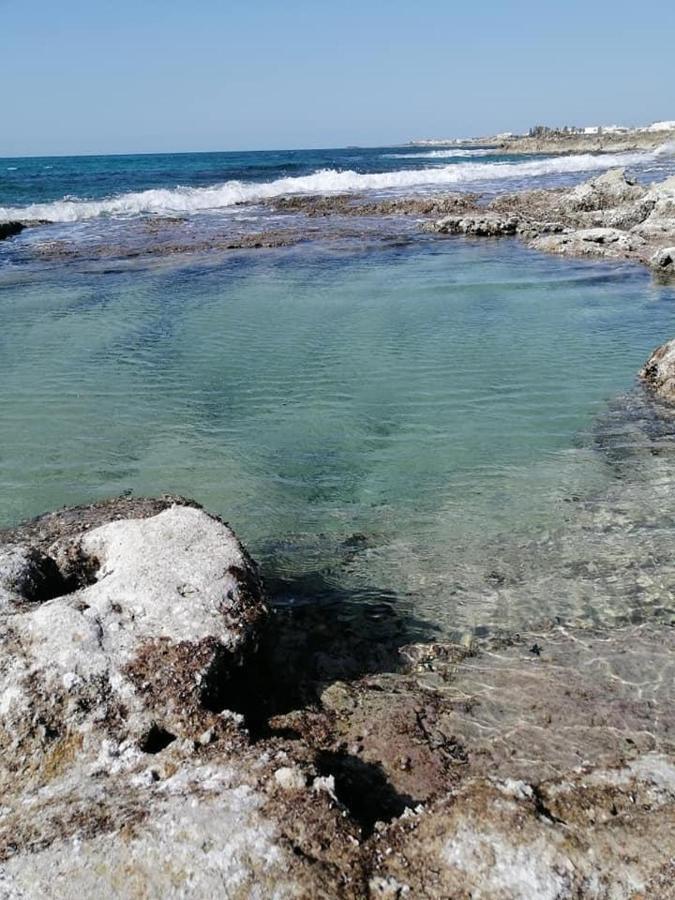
(155, 75)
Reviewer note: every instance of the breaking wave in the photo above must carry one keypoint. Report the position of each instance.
(186, 200)
(666, 150)
(442, 154)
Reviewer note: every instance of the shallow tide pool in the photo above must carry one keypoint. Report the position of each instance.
(371, 424)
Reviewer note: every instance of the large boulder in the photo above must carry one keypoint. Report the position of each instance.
(124, 629)
(662, 263)
(609, 243)
(606, 191)
(127, 637)
(661, 219)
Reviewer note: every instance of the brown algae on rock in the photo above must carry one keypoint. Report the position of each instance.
(164, 734)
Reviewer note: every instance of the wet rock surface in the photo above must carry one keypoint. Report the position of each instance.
(358, 205)
(9, 229)
(659, 371)
(163, 238)
(164, 734)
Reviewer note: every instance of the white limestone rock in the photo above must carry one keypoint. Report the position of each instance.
(609, 243)
(126, 627)
(660, 223)
(479, 225)
(604, 192)
(662, 263)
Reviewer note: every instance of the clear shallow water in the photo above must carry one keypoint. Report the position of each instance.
(401, 425)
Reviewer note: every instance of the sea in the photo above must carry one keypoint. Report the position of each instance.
(435, 427)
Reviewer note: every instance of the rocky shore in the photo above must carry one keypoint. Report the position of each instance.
(560, 141)
(610, 216)
(602, 142)
(166, 734)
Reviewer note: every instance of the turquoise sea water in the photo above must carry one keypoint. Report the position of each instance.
(371, 421)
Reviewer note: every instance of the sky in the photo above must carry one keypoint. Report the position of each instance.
(170, 75)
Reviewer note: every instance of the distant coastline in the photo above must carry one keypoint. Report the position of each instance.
(593, 140)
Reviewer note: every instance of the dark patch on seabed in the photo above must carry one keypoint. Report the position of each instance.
(634, 424)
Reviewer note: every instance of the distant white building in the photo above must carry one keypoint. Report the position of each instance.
(661, 126)
(606, 129)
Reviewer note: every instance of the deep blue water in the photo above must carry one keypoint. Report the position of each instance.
(43, 179)
(47, 187)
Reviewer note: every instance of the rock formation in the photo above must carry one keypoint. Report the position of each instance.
(659, 371)
(164, 735)
(9, 229)
(486, 225)
(662, 263)
(610, 217)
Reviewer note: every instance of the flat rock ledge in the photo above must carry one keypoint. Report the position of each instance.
(165, 735)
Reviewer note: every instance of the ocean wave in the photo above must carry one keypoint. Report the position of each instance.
(186, 200)
(441, 154)
(666, 150)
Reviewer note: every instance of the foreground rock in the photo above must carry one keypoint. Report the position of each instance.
(164, 736)
(134, 622)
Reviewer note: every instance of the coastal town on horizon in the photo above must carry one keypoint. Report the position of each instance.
(659, 128)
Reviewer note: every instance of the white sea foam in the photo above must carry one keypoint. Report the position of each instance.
(187, 200)
(441, 154)
(666, 150)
